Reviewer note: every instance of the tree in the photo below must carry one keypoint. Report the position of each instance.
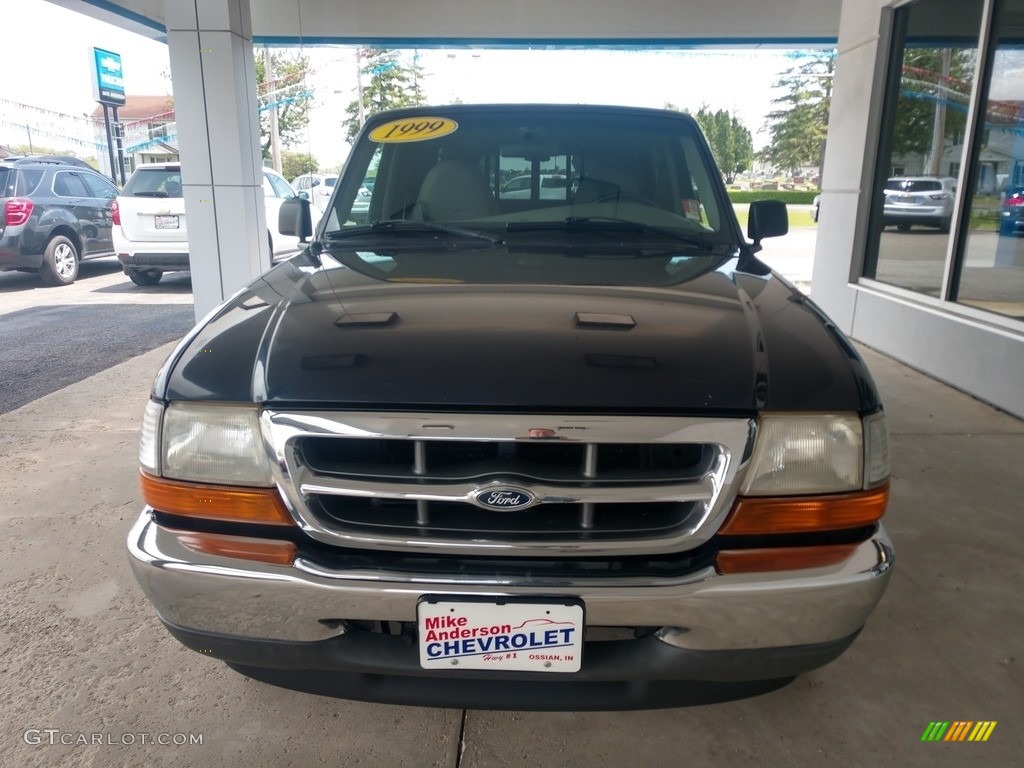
(387, 83)
(932, 81)
(287, 90)
(799, 123)
(730, 140)
(294, 164)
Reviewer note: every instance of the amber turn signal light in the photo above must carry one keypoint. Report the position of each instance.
(243, 547)
(781, 558)
(215, 502)
(804, 514)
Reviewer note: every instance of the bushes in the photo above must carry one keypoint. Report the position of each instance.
(788, 196)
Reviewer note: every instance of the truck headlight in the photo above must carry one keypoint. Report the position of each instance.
(206, 461)
(806, 454)
(813, 473)
(205, 443)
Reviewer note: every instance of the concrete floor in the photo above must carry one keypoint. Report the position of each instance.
(83, 652)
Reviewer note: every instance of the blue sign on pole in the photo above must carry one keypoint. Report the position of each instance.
(107, 78)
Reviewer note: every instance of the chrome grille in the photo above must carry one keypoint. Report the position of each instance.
(547, 522)
(599, 485)
(556, 461)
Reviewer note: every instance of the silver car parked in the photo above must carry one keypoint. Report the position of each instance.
(923, 200)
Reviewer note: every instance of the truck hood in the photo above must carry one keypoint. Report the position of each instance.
(728, 342)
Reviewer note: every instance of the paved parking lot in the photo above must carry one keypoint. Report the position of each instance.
(99, 282)
(85, 658)
(51, 337)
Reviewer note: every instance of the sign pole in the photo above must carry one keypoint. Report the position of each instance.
(110, 142)
(119, 140)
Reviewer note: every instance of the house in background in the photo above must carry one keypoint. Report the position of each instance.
(1000, 154)
(149, 132)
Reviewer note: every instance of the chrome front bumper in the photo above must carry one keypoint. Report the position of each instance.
(703, 611)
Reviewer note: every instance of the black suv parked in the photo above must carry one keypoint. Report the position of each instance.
(55, 212)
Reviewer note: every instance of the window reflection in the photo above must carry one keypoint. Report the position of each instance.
(992, 269)
(925, 143)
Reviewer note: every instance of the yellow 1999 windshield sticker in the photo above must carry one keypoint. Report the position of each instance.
(413, 129)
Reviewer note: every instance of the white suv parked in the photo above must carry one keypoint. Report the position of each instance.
(150, 232)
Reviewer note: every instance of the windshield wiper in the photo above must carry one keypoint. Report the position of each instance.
(411, 227)
(609, 225)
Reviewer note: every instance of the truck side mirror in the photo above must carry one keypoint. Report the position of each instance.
(295, 219)
(767, 218)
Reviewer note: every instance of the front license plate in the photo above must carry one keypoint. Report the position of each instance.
(166, 222)
(501, 635)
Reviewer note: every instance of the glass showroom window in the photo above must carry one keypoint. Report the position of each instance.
(990, 274)
(931, 79)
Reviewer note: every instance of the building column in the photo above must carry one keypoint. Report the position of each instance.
(848, 172)
(214, 82)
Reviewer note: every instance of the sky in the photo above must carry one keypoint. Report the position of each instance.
(738, 81)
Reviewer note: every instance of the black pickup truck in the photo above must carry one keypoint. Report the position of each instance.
(528, 446)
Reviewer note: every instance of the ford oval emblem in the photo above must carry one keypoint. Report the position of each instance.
(504, 498)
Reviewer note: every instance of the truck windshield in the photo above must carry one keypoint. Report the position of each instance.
(487, 168)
